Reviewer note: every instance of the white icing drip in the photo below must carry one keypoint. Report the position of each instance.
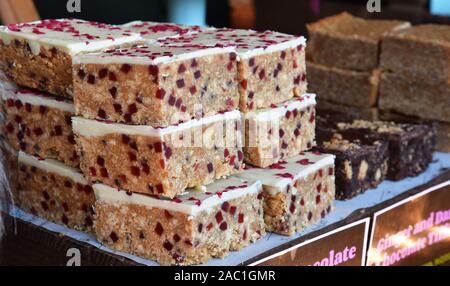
(53, 166)
(151, 58)
(90, 128)
(275, 184)
(38, 99)
(271, 114)
(107, 194)
(61, 34)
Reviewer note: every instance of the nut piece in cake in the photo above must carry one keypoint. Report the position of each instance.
(297, 192)
(190, 229)
(421, 52)
(271, 66)
(160, 161)
(155, 85)
(280, 132)
(348, 42)
(54, 191)
(39, 54)
(40, 124)
(348, 87)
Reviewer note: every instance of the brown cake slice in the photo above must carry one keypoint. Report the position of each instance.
(419, 52)
(349, 42)
(348, 87)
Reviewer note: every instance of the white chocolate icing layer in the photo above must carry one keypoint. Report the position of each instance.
(279, 110)
(152, 31)
(40, 99)
(151, 54)
(191, 202)
(248, 43)
(72, 36)
(278, 176)
(91, 128)
(53, 166)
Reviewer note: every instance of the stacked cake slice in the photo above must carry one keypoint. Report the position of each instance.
(159, 118)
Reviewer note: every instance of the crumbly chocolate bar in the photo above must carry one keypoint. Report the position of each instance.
(443, 128)
(411, 146)
(191, 229)
(415, 97)
(161, 161)
(421, 52)
(54, 191)
(156, 85)
(349, 42)
(359, 167)
(39, 54)
(271, 65)
(297, 192)
(40, 124)
(348, 87)
(280, 132)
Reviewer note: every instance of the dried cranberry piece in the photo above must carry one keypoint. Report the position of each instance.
(167, 245)
(132, 108)
(180, 83)
(225, 206)
(91, 79)
(37, 131)
(160, 93)
(104, 173)
(135, 171)
(200, 227)
(58, 130)
(159, 229)
(210, 168)
(112, 76)
(113, 91)
(81, 74)
(219, 217)
(101, 114)
(181, 68)
(241, 218)
(103, 73)
(223, 226)
(125, 139)
(126, 68)
(114, 237)
(153, 70)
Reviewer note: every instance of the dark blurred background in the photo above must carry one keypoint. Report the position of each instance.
(288, 16)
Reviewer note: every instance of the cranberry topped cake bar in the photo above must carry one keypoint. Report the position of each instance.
(191, 229)
(155, 85)
(279, 132)
(39, 54)
(349, 42)
(153, 31)
(40, 124)
(421, 52)
(161, 161)
(297, 192)
(54, 191)
(271, 64)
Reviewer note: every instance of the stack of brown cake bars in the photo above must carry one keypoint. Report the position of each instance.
(174, 143)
